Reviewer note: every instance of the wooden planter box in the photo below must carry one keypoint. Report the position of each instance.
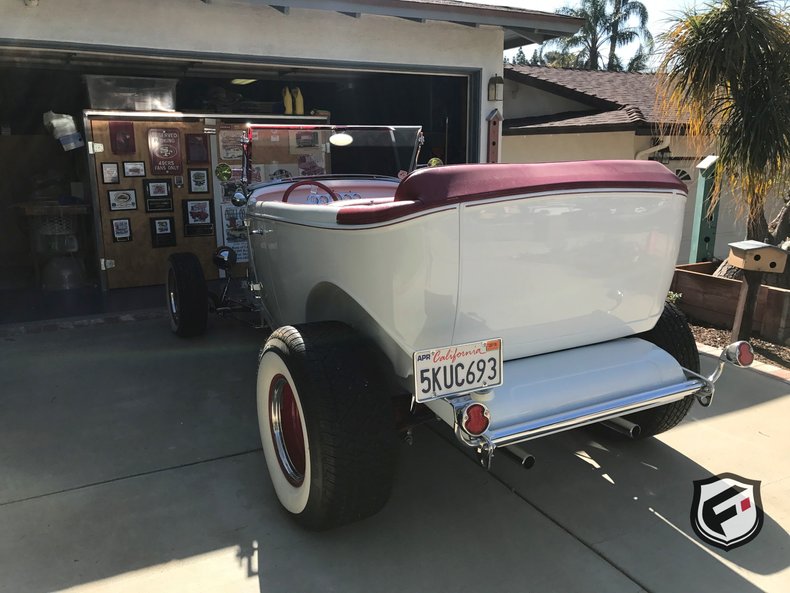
(713, 300)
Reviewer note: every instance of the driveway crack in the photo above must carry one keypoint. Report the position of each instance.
(129, 477)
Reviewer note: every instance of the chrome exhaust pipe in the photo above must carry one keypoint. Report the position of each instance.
(527, 460)
(623, 426)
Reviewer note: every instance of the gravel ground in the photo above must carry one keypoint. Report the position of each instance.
(763, 351)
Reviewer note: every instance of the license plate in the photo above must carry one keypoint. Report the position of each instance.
(457, 369)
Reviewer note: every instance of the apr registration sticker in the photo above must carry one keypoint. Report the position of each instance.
(457, 369)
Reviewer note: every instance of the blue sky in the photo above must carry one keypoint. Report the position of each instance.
(659, 12)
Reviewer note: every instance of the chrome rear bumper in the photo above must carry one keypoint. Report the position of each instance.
(514, 427)
(597, 413)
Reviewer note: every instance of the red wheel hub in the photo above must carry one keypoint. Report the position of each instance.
(286, 427)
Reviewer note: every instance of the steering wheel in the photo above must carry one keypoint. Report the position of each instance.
(318, 184)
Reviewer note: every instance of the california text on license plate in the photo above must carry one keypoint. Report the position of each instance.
(457, 369)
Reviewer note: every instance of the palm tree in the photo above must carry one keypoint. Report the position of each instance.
(591, 38)
(561, 59)
(603, 28)
(621, 34)
(727, 71)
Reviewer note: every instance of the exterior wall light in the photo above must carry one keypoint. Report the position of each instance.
(496, 88)
(662, 156)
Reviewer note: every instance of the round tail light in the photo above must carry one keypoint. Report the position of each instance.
(475, 419)
(739, 354)
(745, 354)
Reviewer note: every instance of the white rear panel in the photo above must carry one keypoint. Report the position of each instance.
(564, 270)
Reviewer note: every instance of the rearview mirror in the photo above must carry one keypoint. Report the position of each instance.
(223, 172)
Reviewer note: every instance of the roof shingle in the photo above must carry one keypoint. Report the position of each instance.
(621, 98)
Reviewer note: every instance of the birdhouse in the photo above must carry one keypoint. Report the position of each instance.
(757, 257)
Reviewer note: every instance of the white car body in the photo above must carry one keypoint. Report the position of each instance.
(563, 265)
(509, 301)
(470, 271)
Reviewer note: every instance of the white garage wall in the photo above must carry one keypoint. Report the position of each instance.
(257, 31)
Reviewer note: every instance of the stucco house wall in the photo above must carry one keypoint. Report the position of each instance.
(543, 148)
(523, 101)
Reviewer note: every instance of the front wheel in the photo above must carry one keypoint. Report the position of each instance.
(326, 424)
(187, 295)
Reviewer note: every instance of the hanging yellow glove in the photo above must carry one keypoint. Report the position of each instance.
(288, 102)
(298, 101)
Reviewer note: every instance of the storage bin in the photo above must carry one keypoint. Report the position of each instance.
(131, 93)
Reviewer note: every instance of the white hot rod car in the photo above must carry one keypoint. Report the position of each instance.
(509, 301)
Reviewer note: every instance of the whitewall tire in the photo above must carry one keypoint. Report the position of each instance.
(327, 424)
(282, 432)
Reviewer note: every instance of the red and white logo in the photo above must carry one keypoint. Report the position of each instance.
(727, 511)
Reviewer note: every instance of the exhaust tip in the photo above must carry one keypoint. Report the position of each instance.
(623, 426)
(526, 459)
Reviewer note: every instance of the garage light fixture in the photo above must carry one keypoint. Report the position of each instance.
(496, 88)
(340, 139)
(243, 81)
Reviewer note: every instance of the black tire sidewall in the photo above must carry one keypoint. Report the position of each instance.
(192, 301)
(673, 335)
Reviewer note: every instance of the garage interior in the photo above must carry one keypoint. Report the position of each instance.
(49, 266)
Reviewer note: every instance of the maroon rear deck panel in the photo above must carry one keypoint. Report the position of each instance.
(439, 186)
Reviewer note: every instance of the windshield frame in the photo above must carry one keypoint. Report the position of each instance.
(338, 128)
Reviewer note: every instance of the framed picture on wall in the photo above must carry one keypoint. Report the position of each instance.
(122, 199)
(134, 169)
(197, 148)
(110, 173)
(198, 181)
(198, 217)
(158, 195)
(121, 230)
(163, 232)
(122, 137)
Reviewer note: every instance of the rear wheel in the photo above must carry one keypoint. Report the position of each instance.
(672, 334)
(326, 424)
(187, 295)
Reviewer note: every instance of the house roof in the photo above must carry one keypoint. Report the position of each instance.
(521, 26)
(598, 121)
(617, 100)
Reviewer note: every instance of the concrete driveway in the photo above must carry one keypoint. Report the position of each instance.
(130, 461)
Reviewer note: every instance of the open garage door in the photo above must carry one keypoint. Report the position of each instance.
(45, 185)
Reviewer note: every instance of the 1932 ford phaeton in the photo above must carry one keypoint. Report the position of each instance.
(509, 301)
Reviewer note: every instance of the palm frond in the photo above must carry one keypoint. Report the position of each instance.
(728, 70)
